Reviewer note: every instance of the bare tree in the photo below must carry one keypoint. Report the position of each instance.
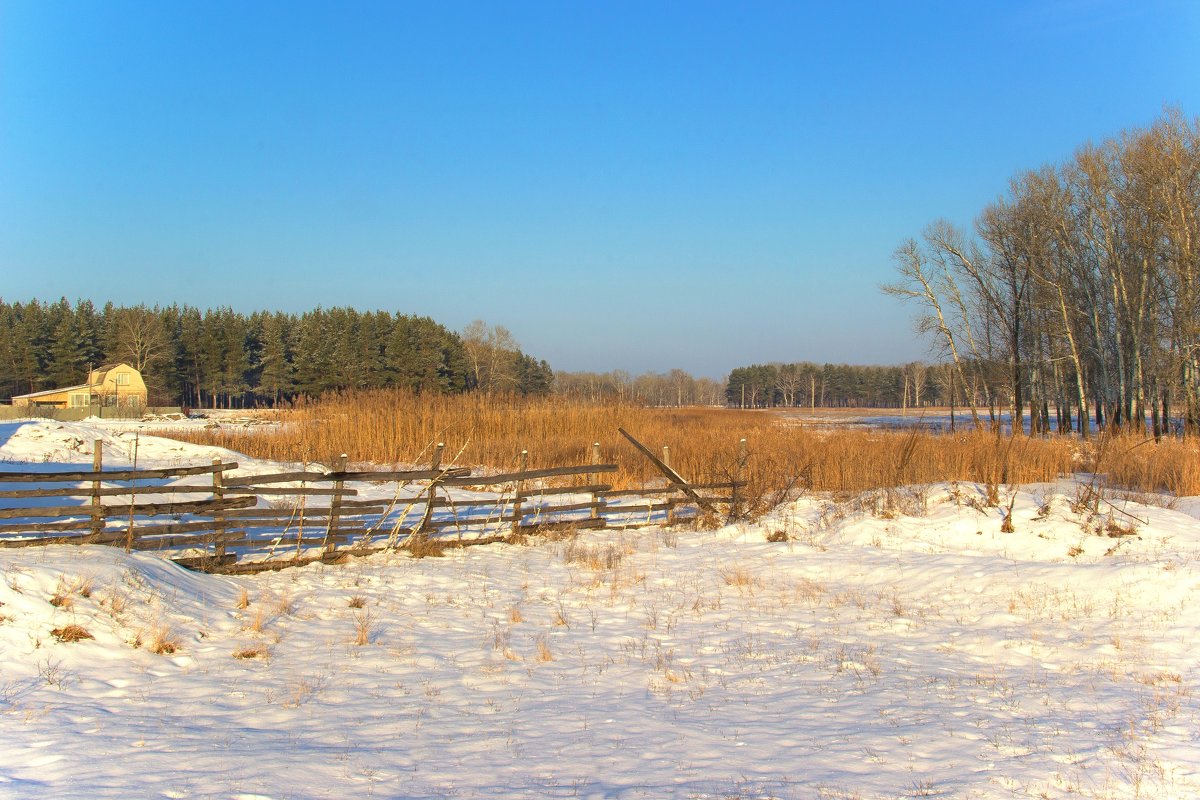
(918, 282)
(491, 354)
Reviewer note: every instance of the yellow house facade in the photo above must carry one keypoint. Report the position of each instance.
(110, 385)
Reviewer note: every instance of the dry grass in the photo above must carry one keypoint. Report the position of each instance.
(1144, 465)
(364, 625)
(593, 556)
(396, 427)
(253, 651)
(71, 633)
(159, 639)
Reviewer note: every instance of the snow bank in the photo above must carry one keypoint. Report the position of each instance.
(901, 646)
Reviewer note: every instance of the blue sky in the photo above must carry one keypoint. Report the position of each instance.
(624, 185)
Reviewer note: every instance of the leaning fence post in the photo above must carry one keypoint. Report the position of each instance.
(335, 505)
(434, 464)
(97, 507)
(523, 460)
(218, 514)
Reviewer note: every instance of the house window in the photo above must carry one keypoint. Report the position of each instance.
(79, 400)
(123, 379)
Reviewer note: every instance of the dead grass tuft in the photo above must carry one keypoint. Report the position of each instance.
(424, 547)
(593, 556)
(364, 628)
(738, 576)
(253, 651)
(159, 639)
(71, 633)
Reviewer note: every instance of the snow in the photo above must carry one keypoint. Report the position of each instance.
(898, 645)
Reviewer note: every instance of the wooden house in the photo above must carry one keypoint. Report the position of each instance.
(110, 385)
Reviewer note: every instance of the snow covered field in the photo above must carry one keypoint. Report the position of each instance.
(893, 647)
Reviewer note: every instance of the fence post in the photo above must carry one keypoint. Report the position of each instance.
(218, 515)
(435, 463)
(523, 460)
(735, 497)
(592, 477)
(335, 505)
(97, 507)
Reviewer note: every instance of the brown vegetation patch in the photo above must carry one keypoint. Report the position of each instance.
(377, 426)
(71, 633)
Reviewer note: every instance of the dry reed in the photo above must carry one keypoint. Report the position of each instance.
(488, 431)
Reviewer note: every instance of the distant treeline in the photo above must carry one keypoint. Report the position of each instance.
(674, 388)
(222, 358)
(838, 386)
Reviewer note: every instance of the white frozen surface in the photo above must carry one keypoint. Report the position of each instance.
(910, 651)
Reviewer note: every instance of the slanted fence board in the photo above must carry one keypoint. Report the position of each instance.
(142, 509)
(398, 476)
(317, 491)
(86, 537)
(103, 491)
(528, 475)
(275, 477)
(112, 475)
(639, 492)
(592, 488)
(563, 509)
(175, 542)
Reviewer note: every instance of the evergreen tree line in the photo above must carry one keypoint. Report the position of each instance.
(222, 358)
(1077, 293)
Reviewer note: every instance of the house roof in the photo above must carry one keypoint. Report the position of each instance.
(46, 392)
(101, 371)
(95, 378)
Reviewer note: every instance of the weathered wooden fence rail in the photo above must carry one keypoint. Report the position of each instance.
(249, 523)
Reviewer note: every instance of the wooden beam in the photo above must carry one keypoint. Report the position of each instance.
(112, 475)
(103, 491)
(673, 476)
(144, 509)
(528, 475)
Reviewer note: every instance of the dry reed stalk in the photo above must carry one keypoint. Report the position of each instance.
(379, 426)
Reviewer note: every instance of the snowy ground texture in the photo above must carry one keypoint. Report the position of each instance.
(893, 646)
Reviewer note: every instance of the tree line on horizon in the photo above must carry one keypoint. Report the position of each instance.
(911, 385)
(1077, 292)
(222, 358)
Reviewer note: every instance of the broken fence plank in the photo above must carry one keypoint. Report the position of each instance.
(144, 509)
(114, 475)
(528, 475)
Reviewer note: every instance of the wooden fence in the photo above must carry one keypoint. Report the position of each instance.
(251, 523)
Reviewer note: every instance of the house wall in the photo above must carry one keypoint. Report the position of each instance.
(120, 386)
(76, 414)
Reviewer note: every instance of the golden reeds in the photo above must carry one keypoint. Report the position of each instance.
(397, 427)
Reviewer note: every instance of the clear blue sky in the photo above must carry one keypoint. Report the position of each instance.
(635, 185)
